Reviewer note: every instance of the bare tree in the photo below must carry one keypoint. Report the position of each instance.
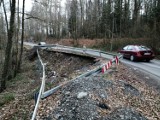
(1, 2)
(9, 47)
(22, 38)
(5, 15)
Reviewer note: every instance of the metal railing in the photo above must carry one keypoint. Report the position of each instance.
(86, 49)
(98, 69)
(41, 91)
(56, 46)
(43, 94)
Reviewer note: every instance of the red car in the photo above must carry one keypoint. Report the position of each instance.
(137, 52)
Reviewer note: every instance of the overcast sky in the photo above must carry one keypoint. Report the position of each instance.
(28, 4)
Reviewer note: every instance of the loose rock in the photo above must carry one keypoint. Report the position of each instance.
(82, 95)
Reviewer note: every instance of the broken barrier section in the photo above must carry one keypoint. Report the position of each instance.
(106, 66)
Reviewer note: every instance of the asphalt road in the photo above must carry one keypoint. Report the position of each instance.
(152, 67)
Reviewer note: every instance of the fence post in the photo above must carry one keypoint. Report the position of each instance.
(84, 49)
(100, 53)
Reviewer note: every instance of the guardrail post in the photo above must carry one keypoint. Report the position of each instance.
(44, 75)
(100, 53)
(84, 49)
(36, 97)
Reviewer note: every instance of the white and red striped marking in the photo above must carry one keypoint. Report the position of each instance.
(103, 69)
(109, 64)
(117, 60)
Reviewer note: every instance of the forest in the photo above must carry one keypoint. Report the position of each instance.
(110, 20)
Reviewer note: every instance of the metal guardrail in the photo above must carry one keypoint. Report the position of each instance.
(86, 49)
(98, 69)
(49, 92)
(41, 91)
(75, 48)
(43, 94)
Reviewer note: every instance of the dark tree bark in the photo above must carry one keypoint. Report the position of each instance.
(9, 47)
(22, 38)
(73, 21)
(17, 39)
(1, 2)
(137, 5)
(4, 9)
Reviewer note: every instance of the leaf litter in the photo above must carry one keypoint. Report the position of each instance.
(120, 94)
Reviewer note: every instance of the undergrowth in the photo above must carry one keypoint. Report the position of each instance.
(6, 98)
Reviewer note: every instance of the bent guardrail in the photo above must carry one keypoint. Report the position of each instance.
(41, 88)
(96, 70)
(42, 94)
(84, 50)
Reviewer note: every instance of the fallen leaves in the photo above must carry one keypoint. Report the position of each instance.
(149, 101)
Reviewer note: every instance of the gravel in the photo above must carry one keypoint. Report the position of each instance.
(124, 114)
(85, 99)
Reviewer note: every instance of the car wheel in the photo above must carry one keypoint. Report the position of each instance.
(132, 58)
(147, 60)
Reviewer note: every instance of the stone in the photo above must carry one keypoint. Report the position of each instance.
(82, 95)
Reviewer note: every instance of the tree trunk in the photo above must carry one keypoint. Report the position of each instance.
(4, 9)
(120, 20)
(8, 48)
(17, 39)
(22, 38)
(0, 2)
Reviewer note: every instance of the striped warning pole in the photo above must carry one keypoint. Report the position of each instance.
(109, 64)
(117, 60)
(103, 69)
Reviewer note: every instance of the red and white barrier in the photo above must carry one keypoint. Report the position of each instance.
(109, 64)
(106, 66)
(103, 69)
(117, 60)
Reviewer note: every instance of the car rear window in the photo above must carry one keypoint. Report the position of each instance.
(125, 48)
(131, 47)
(142, 48)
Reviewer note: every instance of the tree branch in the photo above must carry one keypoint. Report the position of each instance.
(31, 16)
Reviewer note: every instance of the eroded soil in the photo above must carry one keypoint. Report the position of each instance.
(114, 96)
(60, 68)
(120, 94)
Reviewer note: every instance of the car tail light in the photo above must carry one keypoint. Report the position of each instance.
(138, 54)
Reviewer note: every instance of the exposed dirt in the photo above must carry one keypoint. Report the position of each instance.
(60, 68)
(122, 94)
(115, 96)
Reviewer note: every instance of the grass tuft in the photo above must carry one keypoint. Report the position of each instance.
(6, 98)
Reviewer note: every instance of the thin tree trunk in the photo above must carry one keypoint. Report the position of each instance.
(8, 48)
(111, 48)
(22, 38)
(17, 35)
(1, 2)
(4, 9)
(120, 27)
